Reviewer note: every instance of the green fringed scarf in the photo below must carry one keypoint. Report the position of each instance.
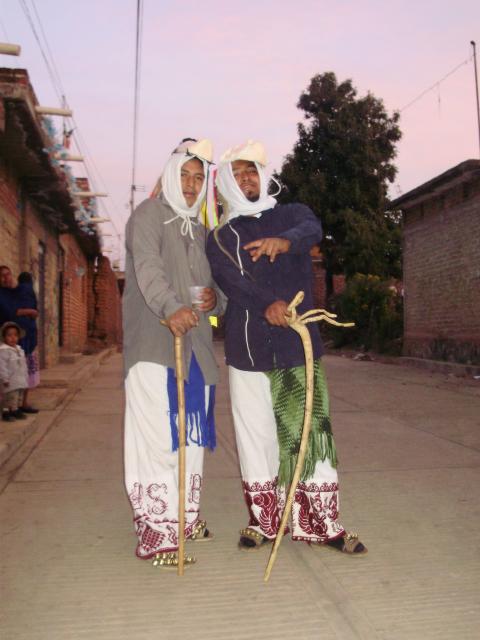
(288, 396)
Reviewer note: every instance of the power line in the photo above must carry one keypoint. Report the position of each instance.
(436, 84)
(45, 39)
(55, 77)
(50, 71)
(57, 84)
(83, 149)
(4, 31)
(138, 51)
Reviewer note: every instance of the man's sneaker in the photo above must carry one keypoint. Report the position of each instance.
(8, 416)
(19, 415)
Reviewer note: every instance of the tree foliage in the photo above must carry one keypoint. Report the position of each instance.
(341, 166)
(376, 308)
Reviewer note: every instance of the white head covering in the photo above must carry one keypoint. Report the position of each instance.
(172, 184)
(238, 203)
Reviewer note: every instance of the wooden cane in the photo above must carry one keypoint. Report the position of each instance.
(182, 429)
(181, 452)
(298, 324)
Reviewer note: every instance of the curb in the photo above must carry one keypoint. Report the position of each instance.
(454, 368)
(16, 435)
(433, 366)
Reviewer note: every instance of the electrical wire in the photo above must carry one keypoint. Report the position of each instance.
(59, 90)
(50, 71)
(77, 135)
(436, 85)
(45, 39)
(7, 39)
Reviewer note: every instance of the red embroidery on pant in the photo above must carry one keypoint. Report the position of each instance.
(268, 485)
(151, 540)
(157, 506)
(150, 505)
(304, 513)
(136, 495)
(195, 488)
(172, 535)
(263, 507)
(268, 518)
(313, 487)
(316, 511)
(252, 521)
(333, 507)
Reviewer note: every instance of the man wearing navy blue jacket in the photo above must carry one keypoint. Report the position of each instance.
(260, 258)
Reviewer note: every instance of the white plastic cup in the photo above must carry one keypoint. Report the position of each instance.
(196, 299)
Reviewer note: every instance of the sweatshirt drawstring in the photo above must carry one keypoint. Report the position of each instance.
(246, 310)
(187, 224)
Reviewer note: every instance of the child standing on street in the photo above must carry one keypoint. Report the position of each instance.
(13, 372)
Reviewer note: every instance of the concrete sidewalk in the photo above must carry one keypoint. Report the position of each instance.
(57, 386)
(409, 446)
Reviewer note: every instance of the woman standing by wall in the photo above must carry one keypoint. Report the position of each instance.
(26, 317)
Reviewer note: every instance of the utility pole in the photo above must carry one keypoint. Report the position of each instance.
(138, 46)
(472, 42)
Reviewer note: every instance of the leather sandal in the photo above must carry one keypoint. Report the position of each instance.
(251, 540)
(348, 543)
(169, 560)
(200, 533)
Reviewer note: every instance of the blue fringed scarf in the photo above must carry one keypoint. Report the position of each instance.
(200, 422)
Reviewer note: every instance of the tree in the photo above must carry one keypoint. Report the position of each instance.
(341, 166)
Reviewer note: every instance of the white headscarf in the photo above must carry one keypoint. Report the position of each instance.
(238, 203)
(172, 190)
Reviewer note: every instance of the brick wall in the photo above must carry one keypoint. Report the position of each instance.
(74, 279)
(10, 219)
(63, 277)
(106, 328)
(40, 255)
(442, 276)
(27, 244)
(319, 285)
(90, 299)
(76, 299)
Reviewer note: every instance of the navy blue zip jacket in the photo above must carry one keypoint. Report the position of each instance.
(251, 343)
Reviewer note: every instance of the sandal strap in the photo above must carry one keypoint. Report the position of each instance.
(350, 541)
(198, 530)
(170, 559)
(252, 535)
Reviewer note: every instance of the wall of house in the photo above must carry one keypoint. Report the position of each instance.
(28, 244)
(78, 300)
(107, 320)
(319, 285)
(442, 276)
(74, 279)
(10, 219)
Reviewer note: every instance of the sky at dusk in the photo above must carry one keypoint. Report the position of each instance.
(232, 71)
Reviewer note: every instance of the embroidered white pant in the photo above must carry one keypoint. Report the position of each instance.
(315, 508)
(151, 468)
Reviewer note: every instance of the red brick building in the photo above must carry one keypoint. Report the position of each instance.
(441, 266)
(106, 319)
(42, 232)
(319, 280)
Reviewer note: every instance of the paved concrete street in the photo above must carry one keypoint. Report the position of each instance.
(409, 447)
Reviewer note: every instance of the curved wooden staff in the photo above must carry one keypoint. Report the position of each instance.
(181, 450)
(298, 324)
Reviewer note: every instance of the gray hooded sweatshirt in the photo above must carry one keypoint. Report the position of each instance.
(161, 265)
